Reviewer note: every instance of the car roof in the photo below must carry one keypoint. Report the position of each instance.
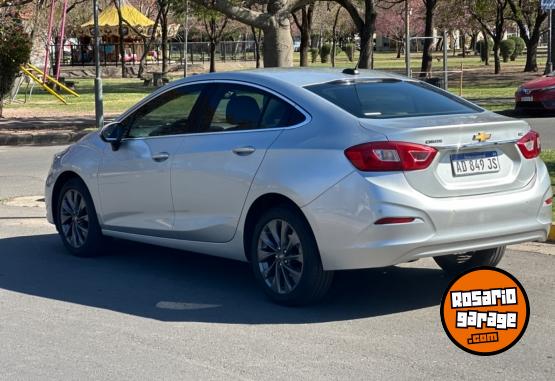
(298, 76)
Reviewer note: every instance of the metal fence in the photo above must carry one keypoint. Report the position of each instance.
(197, 52)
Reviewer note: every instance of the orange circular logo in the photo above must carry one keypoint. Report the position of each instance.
(485, 311)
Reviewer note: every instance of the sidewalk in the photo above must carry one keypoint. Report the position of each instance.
(52, 130)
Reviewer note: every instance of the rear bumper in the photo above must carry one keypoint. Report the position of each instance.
(343, 220)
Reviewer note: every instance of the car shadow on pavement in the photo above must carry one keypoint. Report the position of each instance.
(170, 285)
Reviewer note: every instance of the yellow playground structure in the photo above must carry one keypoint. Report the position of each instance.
(39, 77)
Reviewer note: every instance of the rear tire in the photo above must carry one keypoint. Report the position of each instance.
(458, 263)
(282, 243)
(76, 220)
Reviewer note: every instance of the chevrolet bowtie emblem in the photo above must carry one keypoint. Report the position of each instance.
(481, 137)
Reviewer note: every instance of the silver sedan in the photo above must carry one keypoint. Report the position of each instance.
(304, 172)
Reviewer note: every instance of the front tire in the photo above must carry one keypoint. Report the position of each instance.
(285, 259)
(458, 263)
(76, 220)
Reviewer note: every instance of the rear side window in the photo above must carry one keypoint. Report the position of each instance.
(240, 107)
(391, 99)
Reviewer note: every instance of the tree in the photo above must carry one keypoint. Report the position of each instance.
(15, 49)
(491, 14)
(214, 25)
(117, 4)
(164, 9)
(304, 23)
(454, 16)
(334, 37)
(365, 22)
(529, 17)
(278, 44)
(429, 8)
(391, 21)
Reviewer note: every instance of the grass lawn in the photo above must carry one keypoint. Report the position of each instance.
(389, 61)
(120, 94)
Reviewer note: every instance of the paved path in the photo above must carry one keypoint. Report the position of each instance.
(152, 313)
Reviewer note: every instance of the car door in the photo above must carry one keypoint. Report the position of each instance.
(214, 168)
(134, 181)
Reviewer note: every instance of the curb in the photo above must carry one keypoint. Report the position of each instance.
(40, 139)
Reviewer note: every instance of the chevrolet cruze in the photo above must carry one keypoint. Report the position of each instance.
(305, 172)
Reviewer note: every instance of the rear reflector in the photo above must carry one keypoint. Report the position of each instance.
(530, 145)
(549, 201)
(390, 156)
(394, 220)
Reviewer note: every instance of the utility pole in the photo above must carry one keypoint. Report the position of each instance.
(445, 67)
(551, 51)
(185, 37)
(407, 39)
(98, 101)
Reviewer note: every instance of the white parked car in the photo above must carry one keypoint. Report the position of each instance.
(304, 172)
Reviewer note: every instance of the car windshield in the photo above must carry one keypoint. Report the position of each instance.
(391, 98)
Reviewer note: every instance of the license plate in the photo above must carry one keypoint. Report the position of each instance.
(474, 163)
(527, 99)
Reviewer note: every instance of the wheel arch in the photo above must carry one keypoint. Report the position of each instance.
(258, 207)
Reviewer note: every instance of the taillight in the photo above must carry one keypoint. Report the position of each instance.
(390, 156)
(530, 145)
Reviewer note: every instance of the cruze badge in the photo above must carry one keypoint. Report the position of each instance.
(481, 137)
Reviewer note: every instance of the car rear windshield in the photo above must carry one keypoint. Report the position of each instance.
(391, 98)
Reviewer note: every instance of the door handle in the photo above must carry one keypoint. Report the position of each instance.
(244, 151)
(160, 157)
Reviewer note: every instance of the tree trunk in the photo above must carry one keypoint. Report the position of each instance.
(212, 56)
(496, 57)
(165, 42)
(366, 58)
(121, 39)
(486, 46)
(334, 37)
(398, 50)
(58, 50)
(256, 46)
(531, 56)
(305, 35)
(426, 66)
(147, 45)
(473, 39)
(463, 43)
(278, 43)
(305, 41)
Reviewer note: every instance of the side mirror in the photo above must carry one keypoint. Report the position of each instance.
(113, 133)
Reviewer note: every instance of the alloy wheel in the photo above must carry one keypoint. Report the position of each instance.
(280, 256)
(74, 218)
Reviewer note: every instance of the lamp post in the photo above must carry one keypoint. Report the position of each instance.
(185, 37)
(549, 64)
(98, 101)
(407, 38)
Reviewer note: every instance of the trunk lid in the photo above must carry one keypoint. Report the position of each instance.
(466, 144)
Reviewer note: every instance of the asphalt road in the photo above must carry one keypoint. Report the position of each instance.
(152, 313)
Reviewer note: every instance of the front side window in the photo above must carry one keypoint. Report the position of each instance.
(171, 113)
(235, 107)
(391, 99)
